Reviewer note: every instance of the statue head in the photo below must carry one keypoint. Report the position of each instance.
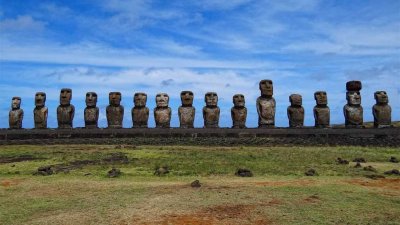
(16, 103)
(321, 98)
(238, 100)
(381, 97)
(353, 98)
(140, 99)
(65, 96)
(211, 99)
(295, 100)
(162, 100)
(114, 98)
(40, 99)
(91, 99)
(266, 88)
(187, 98)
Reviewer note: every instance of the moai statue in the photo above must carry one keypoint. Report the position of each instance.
(239, 111)
(211, 111)
(16, 114)
(381, 110)
(186, 111)
(91, 113)
(40, 112)
(65, 111)
(162, 113)
(321, 110)
(140, 113)
(295, 111)
(353, 111)
(115, 111)
(266, 105)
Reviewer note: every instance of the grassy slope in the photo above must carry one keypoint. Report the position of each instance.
(278, 194)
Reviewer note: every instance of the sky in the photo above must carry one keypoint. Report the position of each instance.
(155, 46)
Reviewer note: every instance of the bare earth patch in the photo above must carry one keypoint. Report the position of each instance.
(391, 184)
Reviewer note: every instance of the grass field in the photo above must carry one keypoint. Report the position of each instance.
(279, 193)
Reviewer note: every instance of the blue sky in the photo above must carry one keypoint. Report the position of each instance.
(223, 46)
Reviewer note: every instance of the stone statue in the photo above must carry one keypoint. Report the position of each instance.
(140, 113)
(239, 111)
(295, 111)
(321, 110)
(91, 113)
(65, 111)
(266, 105)
(353, 111)
(162, 113)
(381, 110)
(16, 114)
(186, 111)
(115, 111)
(211, 111)
(40, 112)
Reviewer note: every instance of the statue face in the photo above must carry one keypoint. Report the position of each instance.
(114, 98)
(353, 98)
(211, 99)
(140, 99)
(91, 99)
(266, 87)
(40, 99)
(162, 100)
(187, 98)
(65, 96)
(381, 97)
(16, 103)
(295, 100)
(321, 98)
(238, 100)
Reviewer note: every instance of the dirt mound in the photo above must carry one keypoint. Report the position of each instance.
(242, 172)
(392, 172)
(360, 160)
(44, 171)
(393, 159)
(195, 184)
(114, 172)
(161, 171)
(358, 165)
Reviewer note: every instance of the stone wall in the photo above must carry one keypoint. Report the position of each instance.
(212, 137)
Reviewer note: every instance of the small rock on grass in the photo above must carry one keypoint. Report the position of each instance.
(393, 160)
(342, 161)
(44, 171)
(358, 165)
(114, 172)
(360, 160)
(392, 172)
(311, 172)
(195, 184)
(242, 172)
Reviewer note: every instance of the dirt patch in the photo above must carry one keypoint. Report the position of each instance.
(220, 214)
(312, 199)
(285, 183)
(9, 183)
(392, 184)
(19, 158)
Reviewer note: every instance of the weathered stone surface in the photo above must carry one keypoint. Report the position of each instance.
(186, 111)
(91, 113)
(16, 114)
(115, 111)
(162, 113)
(195, 184)
(381, 110)
(40, 112)
(321, 110)
(353, 111)
(65, 111)
(140, 113)
(239, 111)
(295, 111)
(266, 105)
(311, 172)
(243, 172)
(211, 111)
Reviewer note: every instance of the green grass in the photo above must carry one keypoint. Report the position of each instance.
(279, 193)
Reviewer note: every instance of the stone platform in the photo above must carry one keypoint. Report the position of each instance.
(201, 136)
